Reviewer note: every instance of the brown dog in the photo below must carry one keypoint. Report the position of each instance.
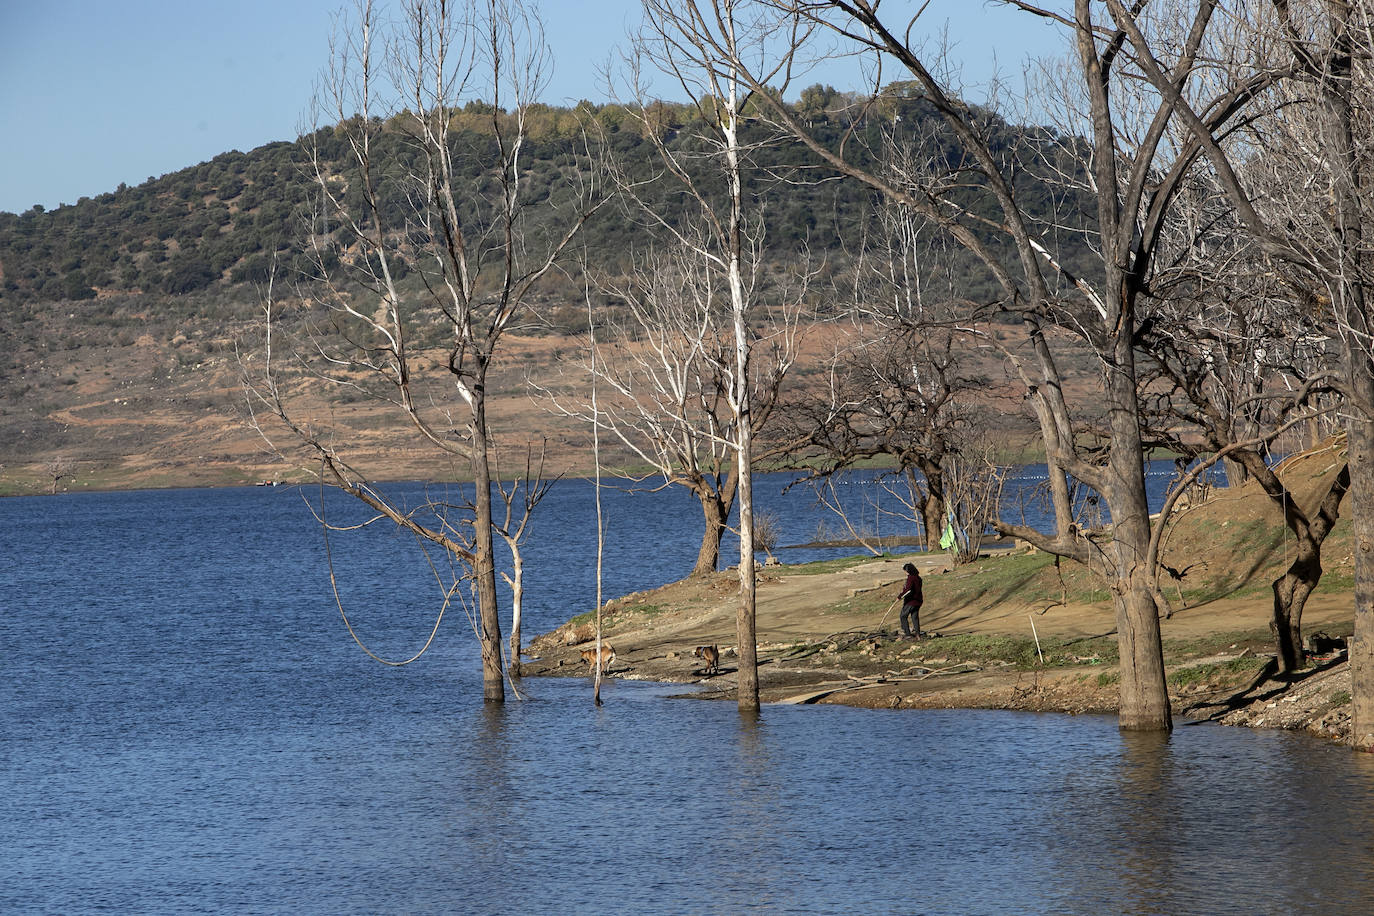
(607, 656)
(711, 656)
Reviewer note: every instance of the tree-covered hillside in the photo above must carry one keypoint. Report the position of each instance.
(221, 225)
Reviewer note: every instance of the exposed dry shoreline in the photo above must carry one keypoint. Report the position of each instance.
(830, 636)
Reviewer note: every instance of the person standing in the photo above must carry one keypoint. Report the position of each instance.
(911, 602)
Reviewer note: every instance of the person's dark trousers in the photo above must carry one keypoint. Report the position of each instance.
(911, 612)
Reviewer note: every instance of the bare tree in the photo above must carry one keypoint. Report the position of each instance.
(58, 469)
(598, 668)
(425, 254)
(1130, 166)
(902, 396)
(975, 492)
(524, 492)
(701, 45)
(1314, 224)
(1231, 363)
(904, 381)
(667, 367)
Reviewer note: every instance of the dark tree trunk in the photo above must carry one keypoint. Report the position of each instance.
(933, 507)
(484, 562)
(1236, 474)
(1292, 589)
(715, 511)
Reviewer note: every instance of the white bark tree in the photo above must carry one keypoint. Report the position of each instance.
(520, 497)
(702, 46)
(665, 371)
(426, 252)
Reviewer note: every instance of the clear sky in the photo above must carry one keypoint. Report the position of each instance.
(98, 92)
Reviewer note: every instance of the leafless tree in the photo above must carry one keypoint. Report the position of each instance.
(899, 383)
(767, 531)
(426, 252)
(699, 44)
(902, 395)
(975, 492)
(666, 368)
(58, 469)
(598, 668)
(1129, 164)
(1232, 361)
(1314, 220)
(523, 493)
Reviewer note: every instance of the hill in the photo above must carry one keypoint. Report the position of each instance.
(121, 312)
(218, 225)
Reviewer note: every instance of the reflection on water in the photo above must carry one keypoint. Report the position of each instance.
(184, 727)
(663, 805)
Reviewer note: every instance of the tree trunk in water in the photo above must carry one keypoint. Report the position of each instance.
(1144, 692)
(1347, 287)
(745, 631)
(744, 418)
(1362, 518)
(716, 513)
(484, 562)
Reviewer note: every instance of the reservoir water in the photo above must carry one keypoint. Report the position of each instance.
(185, 727)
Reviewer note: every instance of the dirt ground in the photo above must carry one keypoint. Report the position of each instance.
(160, 403)
(832, 637)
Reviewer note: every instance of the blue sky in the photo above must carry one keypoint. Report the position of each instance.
(98, 92)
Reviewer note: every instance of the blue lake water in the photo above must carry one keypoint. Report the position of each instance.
(185, 727)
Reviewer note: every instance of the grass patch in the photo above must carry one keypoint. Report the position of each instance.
(636, 612)
(1233, 671)
(1219, 588)
(1340, 579)
(1341, 698)
(1019, 652)
(1026, 579)
(614, 616)
(990, 581)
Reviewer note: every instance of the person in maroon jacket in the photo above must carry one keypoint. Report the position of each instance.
(911, 602)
